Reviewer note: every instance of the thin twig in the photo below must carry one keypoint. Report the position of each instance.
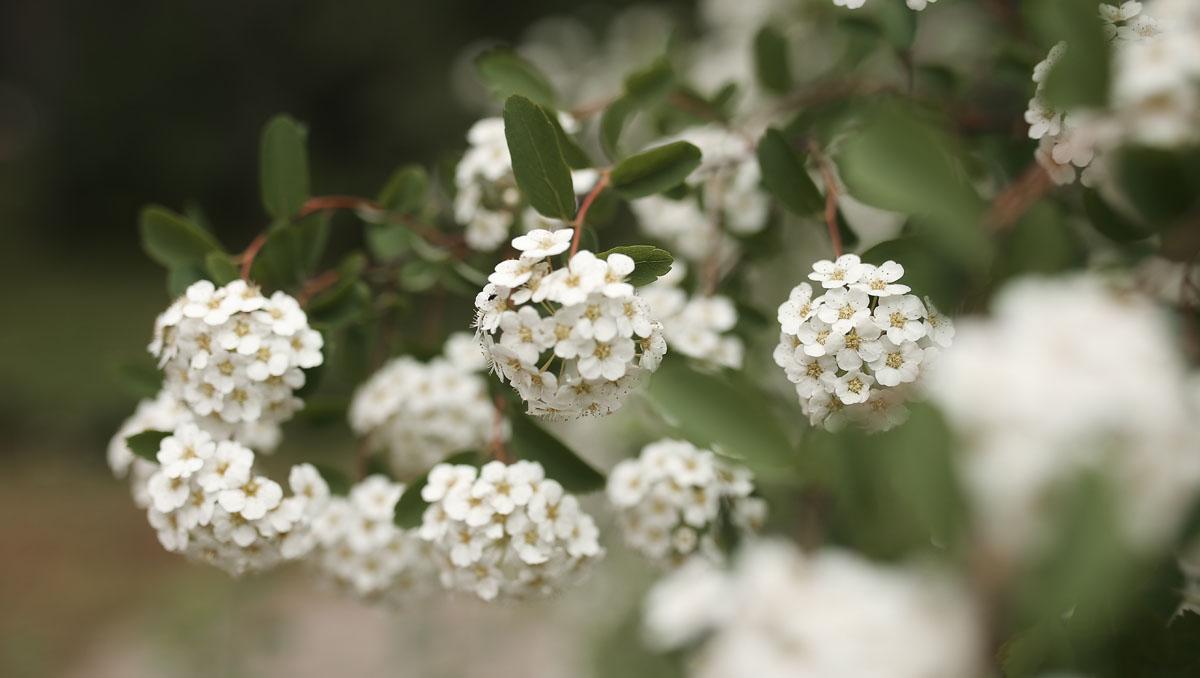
(251, 251)
(1013, 202)
(831, 197)
(499, 451)
(583, 210)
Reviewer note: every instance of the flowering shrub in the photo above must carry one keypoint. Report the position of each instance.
(1011, 492)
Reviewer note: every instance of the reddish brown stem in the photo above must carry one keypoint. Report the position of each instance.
(831, 197)
(583, 210)
(251, 251)
(1015, 201)
(499, 452)
(317, 284)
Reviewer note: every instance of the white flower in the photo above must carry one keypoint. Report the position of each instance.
(571, 285)
(880, 281)
(897, 364)
(619, 266)
(605, 358)
(902, 318)
(513, 272)
(185, 451)
(797, 309)
(853, 387)
(846, 270)
(252, 499)
(539, 243)
(670, 483)
(1043, 120)
(843, 309)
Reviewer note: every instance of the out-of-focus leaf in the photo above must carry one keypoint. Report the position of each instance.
(531, 442)
(643, 88)
(291, 252)
(141, 378)
(650, 262)
(901, 162)
(1161, 184)
(406, 190)
(172, 240)
(146, 444)
(1040, 242)
(725, 412)
(538, 164)
(612, 123)
(506, 73)
(771, 60)
(387, 242)
(349, 272)
(220, 268)
(655, 170)
(784, 175)
(180, 277)
(339, 483)
(924, 270)
(283, 167)
(1080, 78)
(1111, 223)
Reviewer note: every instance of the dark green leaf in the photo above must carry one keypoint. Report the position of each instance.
(172, 240)
(542, 173)
(902, 162)
(785, 176)
(650, 262)
(924, 270)
(291, 253)
(220, 268)
(612, 123)
(725, 412)
(146, 444)
(771, 60)
(339, 483)
(505, 73)
(1160, 184)
(1040, 242)
(533, 443)
(656, 170)
(897, 23)
(405, 190)
(141, 378)
(180, 277)
(411, 506)
(349, 272)
(573, 153)
(283, 167)
(1081, 76)
(352, 307)
(1111, 223)
(387, 242)
(650, 84)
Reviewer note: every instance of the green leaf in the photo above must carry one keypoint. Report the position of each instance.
(573, 153)
(505, 73)
(1040, 242)
(723, 411)
(650, 262)
(650, 84)
(542, 173)
(406, 190)
(1110, 222)
(146, 444)
(924, 270)
(339, 483)
(897, 23)
(411, 506)
(902, 162)
(283, 167)
(1160, 184)
(180, 277)
(785, 177)
(612, 123)
(1080, 78)
(656, 170)
(292, 252)
(172, 240)
(386, 242)
(771, 60)
(533, 443)
(352, 307)
(349, 273)
(220, 268)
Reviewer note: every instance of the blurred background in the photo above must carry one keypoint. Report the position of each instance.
(105, 107)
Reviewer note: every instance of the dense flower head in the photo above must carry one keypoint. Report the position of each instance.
(208, 502)
(232, 353)
(572, 340)
(781, 613)
(670, 500)
(486, 200)
(420, 413)
(1069, 377)
(855, 350)
(505, 530)
(699, 326)
(359, 546)
(165, 412)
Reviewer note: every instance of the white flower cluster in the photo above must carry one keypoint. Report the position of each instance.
(505, 530)
(235, 354)
(422, 413)
(671, 496)
(855, 350)
(699, 326)
(360, 547)
(486, 200)
(166, 413)
(781, 614)
(918, 5)
(208, 503)
(1154, 100)
(596, 341)
(730, 182)
(1071, 376)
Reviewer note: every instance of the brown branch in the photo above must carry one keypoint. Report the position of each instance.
(580, 216)
(247, 256)
(1013, 202)
(317, 284)
(498, 450)
(831, 197)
